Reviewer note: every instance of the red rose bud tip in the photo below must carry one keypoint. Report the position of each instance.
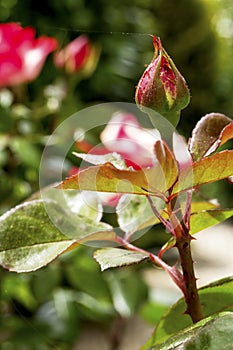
(161, 87)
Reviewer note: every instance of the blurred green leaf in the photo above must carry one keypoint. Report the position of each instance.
(60, 315)
(85, 203)
(93, 308)
(152, 312)
(215, 297)
(134, 212)
(127, 289)
(116, 257)
(19, 290)
(83, 273)
(213, 333)
(45, 281)
(26, 151)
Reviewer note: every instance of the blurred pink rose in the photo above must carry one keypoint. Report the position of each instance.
(123, 134)
(75, 55)
(21, 55)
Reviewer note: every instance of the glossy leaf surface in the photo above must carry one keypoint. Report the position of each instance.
(116, 257)
(30, 240)
(215, 297)
(213, 333)
(216, 167)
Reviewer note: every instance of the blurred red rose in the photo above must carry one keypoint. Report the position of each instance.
(21, 55)
(75, 55)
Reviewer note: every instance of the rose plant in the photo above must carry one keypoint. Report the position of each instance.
(159, 188)
(34, 98)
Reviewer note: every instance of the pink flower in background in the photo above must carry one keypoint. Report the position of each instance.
(75, 55)
(21, 55)
(123, 134)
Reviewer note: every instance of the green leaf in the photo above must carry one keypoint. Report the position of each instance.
(207, 218)
(30, 240)
(116, 257)
(19, 289)
(211, 131)
(215, 297)
(128, 290)
(152, 312)
(212, 333)
(134, 212)
(108, 178)
(197, 206)
(83, 273)
(84, 203)
(216, 167)
(26, 151)
(93, 308)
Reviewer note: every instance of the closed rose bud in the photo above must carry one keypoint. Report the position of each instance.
(162, 88)
(78, 55)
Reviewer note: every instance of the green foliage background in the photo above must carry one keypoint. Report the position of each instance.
(193, 34)
(187, 29)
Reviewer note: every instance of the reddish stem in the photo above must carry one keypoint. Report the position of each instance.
(183, 244)
(186, 280)
(191, 296)
(173, 272)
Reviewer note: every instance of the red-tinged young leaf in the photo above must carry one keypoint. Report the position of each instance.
(216, 167)
(167, 162)
(108, 178)
(226, 134)
(209, 134)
